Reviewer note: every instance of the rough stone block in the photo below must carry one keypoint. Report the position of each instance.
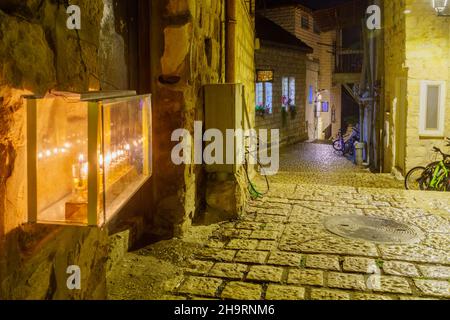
(207, 287)
(306, 277)
(242, 291)
(323, 294)
(232, 271)
(280, 293)
(323, 262)
(279, 258)
(247, 256)
(346, 281)
(265, 274)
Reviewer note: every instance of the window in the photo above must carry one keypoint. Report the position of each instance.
(432, 108)
(264, 94)
(311, 95)
(305, 22)
(288, 92)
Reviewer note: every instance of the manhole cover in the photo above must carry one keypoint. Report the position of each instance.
(374, 229)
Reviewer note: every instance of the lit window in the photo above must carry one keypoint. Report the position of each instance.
(264, 94)
(291, 91)
(288, 92)
(311, 94)
(259, 94)
(432, 108)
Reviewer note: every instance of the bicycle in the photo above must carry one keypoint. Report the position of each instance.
(434, 177)
(346, 147)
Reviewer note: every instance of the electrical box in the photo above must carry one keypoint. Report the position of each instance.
(224, 111)
(87, 155)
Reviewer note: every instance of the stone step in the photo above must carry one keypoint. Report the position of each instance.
(123, 240)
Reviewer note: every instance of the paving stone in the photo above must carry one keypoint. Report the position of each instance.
(264, 235)
(198, 267)
(324, 294)
(201, 286)
(264, 218)
(397, 268)
(306, 277)
(216, 254)
(242, 291)
(242, 244)
(286, 293)
(389, 284)
(408, 298)
(372, 297)
(323, 262)
(362, 265)
(279, 258)
(274, 212)
(236, 233)
(233, 271)
(434, 287)
(249, 256)
(267, 245)
(215, 244)
(346, 281)
(435, 272)
(265, 274)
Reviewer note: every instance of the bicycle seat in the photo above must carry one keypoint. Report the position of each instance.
(436, 149)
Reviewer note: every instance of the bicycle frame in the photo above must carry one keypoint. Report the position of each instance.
(440, 174)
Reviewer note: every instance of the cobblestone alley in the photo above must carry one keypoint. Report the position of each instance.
(281, 249)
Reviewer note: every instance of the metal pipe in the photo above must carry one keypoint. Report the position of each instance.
(231, 22)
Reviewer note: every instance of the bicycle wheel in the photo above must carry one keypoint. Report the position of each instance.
(337, 145)
(415, 179)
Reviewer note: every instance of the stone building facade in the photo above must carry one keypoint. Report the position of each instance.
(170, 48)
(287, 60)
(300, 21)
(417, 49)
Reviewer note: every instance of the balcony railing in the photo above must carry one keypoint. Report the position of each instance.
(349, 61)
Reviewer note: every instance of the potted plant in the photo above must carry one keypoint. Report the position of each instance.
(262, 110)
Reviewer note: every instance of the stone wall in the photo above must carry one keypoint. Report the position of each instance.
(188, 51)
(290, 18)
(285, 63)
(38, 53)
(417, 47)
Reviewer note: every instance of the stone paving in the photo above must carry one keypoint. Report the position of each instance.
(280, 250)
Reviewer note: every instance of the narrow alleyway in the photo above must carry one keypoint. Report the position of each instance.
(281, 249)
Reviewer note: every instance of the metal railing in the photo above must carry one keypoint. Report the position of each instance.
(349, 61)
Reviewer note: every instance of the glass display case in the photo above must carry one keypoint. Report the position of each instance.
(87, 155)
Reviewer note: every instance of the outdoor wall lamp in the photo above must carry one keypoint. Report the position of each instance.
(440, 6)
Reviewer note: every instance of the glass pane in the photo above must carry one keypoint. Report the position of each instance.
(269, 96)
(432, 121)
(292, 91)
(259, 95)
(62, 167)
(126, 158)
(285, 92)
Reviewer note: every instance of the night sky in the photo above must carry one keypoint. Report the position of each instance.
(313, 4)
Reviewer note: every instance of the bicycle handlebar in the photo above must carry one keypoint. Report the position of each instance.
(445, 156)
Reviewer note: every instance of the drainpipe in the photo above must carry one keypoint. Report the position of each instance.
(230, 43)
